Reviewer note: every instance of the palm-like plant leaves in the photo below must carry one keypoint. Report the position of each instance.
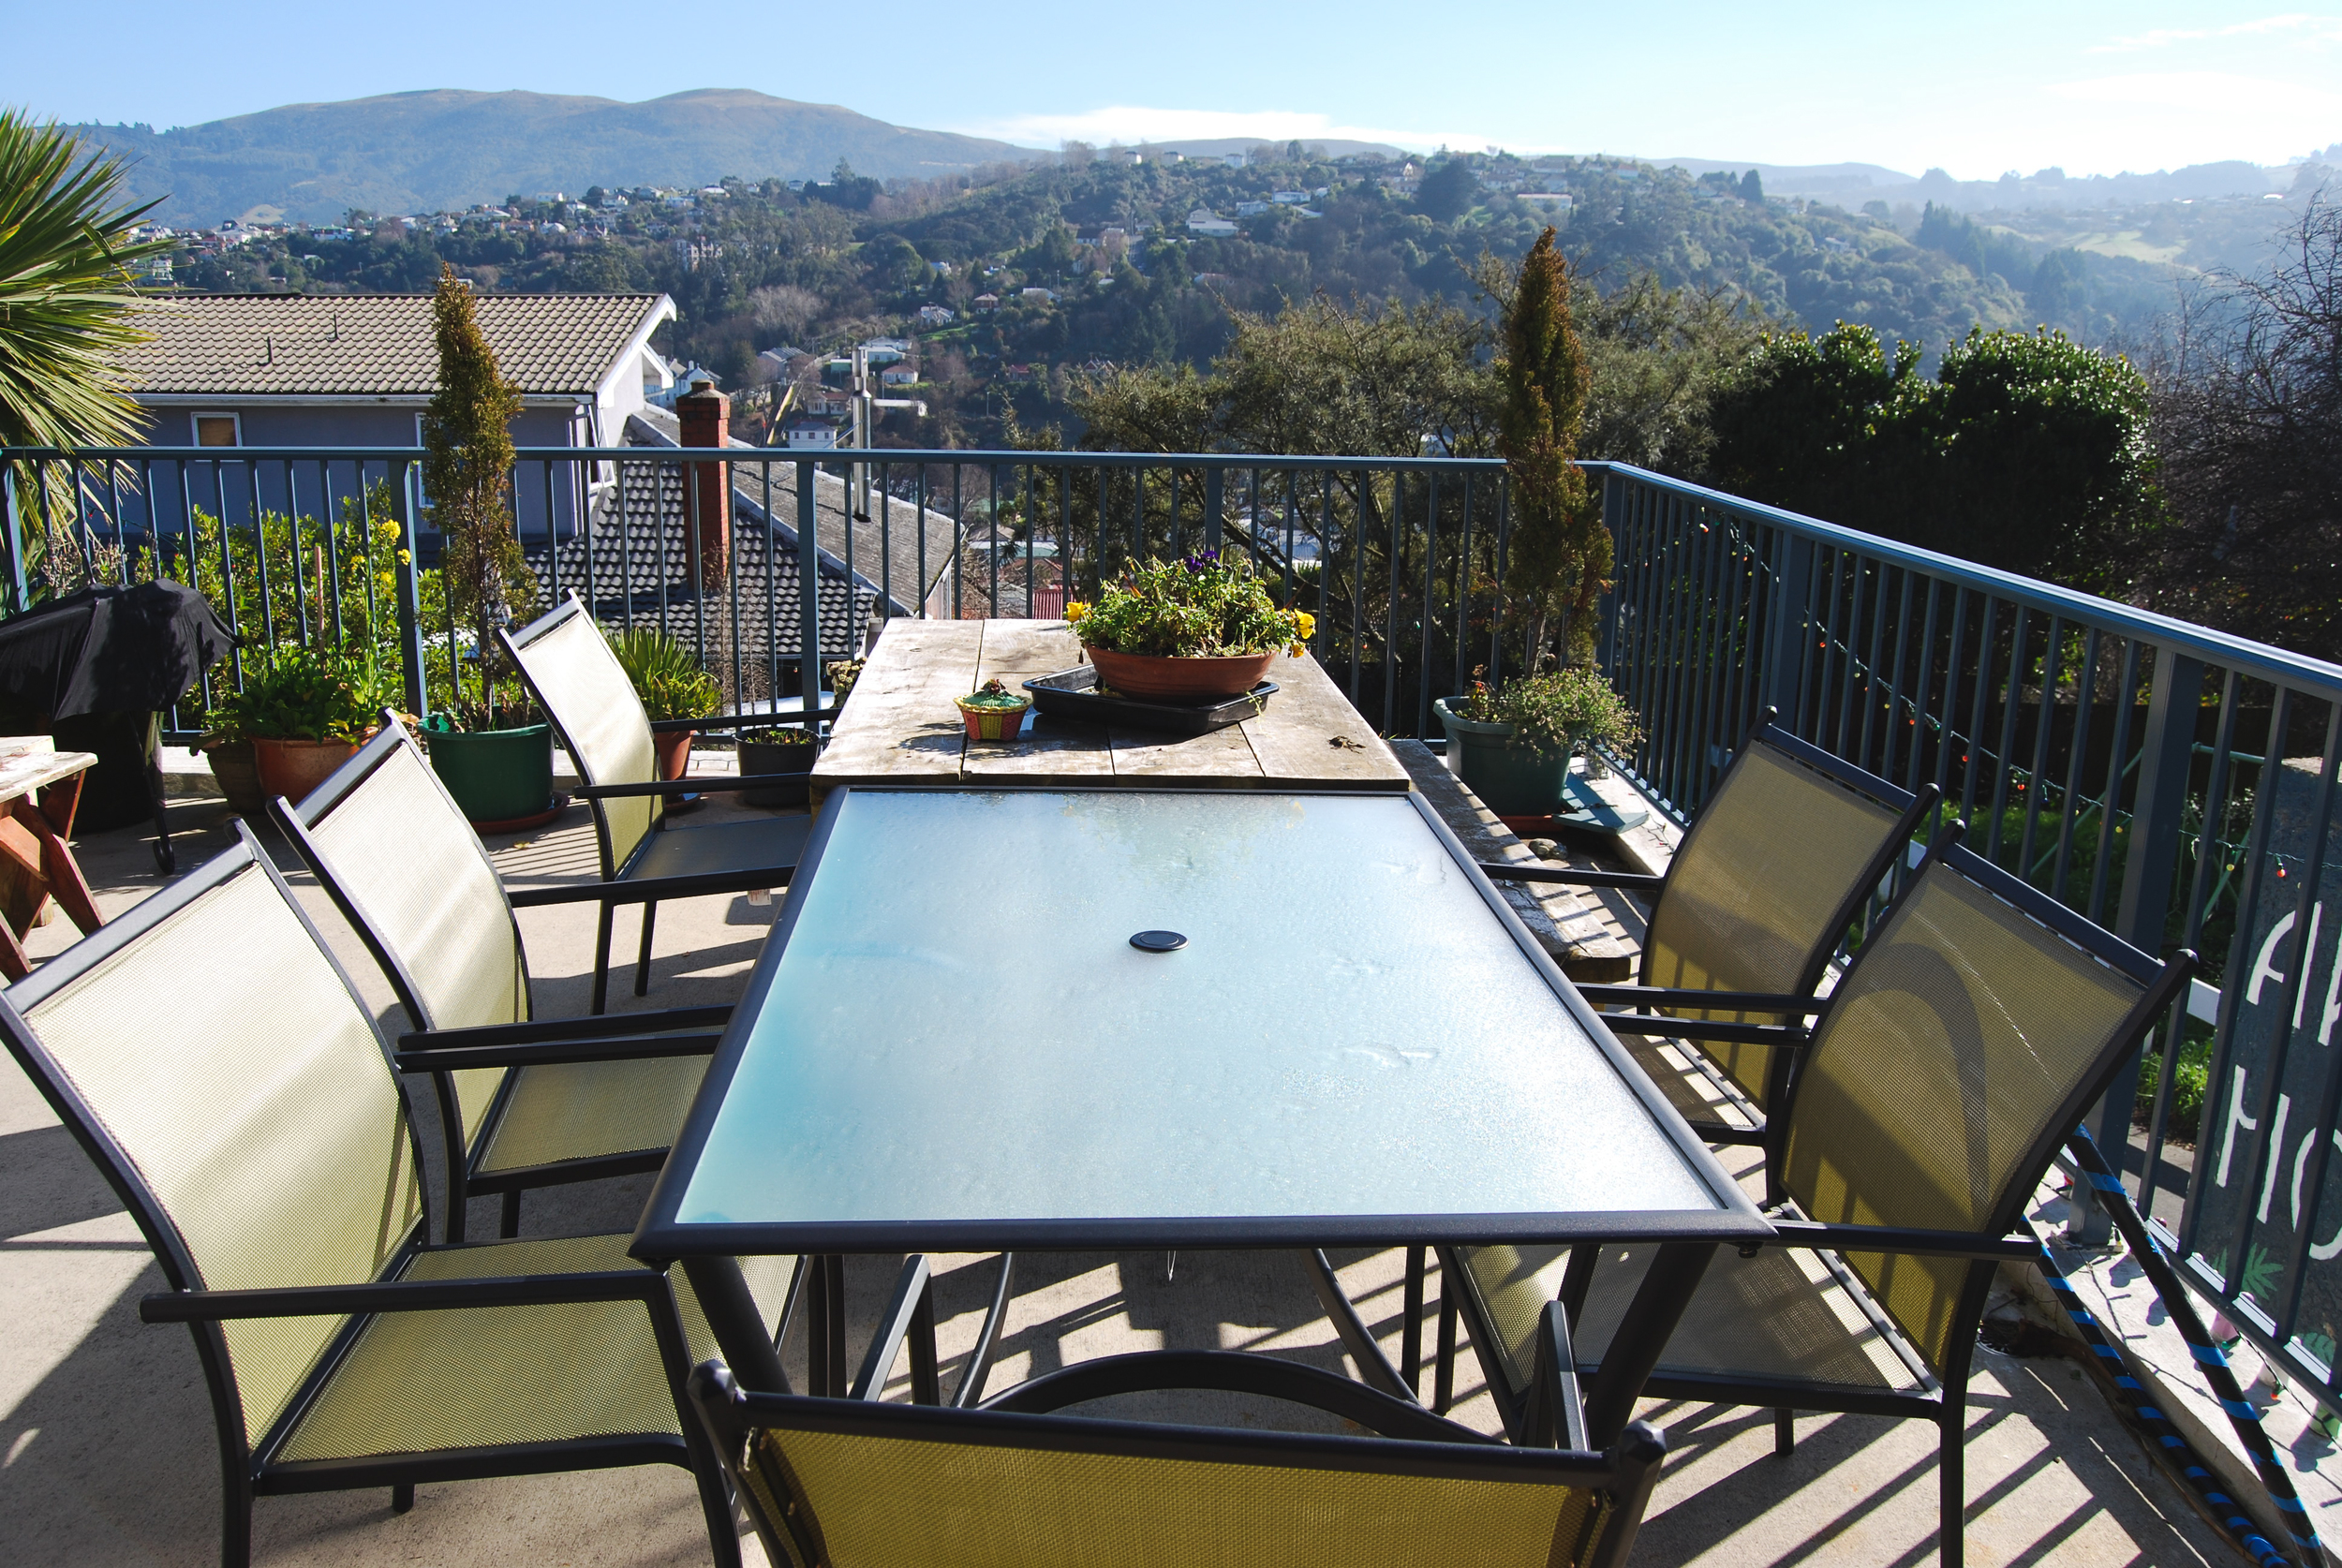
(65, 289)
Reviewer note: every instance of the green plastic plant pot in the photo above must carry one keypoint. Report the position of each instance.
(1511, 779)
(495, 776)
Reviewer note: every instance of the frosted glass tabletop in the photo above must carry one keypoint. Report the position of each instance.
(952, 1042)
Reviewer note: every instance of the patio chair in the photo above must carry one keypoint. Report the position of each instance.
(854, 1483)
(1978, 1023)
(263, 1147)
(1749, 914)
(393, 850)
(579, 683)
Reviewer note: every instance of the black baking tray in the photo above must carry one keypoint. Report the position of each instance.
(1068, 695)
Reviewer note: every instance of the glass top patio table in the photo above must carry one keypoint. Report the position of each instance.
(952, 1043)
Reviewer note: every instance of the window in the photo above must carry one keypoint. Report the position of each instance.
(218, 430)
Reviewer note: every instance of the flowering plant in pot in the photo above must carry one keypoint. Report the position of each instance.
(777, 748)
(1511, 743)
(993, 712)
(672, 686)
(1201, 627)
(305, 711)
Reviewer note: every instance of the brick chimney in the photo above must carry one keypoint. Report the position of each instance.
(707, 417)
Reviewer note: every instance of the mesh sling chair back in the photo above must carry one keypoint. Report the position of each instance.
(557, 1103)
(844, 1484)
(1767, 880)
(570, 670)
(264, 1149)
(1978, 1023)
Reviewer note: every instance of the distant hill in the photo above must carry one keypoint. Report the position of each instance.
(1220, 147)
(434, 151)
(1851, 184)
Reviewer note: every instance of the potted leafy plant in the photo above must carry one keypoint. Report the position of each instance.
(1197, 628)
(777, 749)
(842, 674)
(993, 712)
(670, 684)
(305, 712)
(1511, 743)
(491, 751)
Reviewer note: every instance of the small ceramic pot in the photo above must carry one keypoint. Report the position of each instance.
(1152, 677)
(993, 723)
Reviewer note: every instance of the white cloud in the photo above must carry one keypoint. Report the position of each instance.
(2321, 29)
(1132, 124)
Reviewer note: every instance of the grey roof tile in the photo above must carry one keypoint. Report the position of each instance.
(376, 345)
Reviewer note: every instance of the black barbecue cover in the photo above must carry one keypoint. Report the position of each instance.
(137, 648)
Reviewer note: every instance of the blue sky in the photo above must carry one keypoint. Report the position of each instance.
(1978, 88)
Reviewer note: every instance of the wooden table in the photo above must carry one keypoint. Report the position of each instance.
(36, 863)
(899, 727)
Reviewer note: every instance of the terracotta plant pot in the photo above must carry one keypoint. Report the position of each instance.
(238, 777)
(1153, 677)
(673, 747)
(992, 723)
(292, 768)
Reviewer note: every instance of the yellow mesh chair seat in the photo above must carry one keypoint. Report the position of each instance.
(482, 1376)
(1783, 1313)
(561, 1111)
(774, 842)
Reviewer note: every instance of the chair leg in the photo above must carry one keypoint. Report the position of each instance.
(512, 1226)
(1444, 1378)
(1784, 1433)
(715, 1496)
(642, 960)
(235, 1515)
(1951, 1478)
(602, 959)
(403, 1498)
(1411, 1322)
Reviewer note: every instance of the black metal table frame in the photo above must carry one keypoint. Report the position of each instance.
(1688, 1238)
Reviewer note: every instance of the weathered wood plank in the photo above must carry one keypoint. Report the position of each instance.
(899, 723)
(1310, 736)
(1052, 751)
(1220, 757)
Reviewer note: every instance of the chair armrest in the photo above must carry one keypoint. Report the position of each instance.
(649, 890)
(402, 1296)
(702, 784)
(1508, 871)
(427, 1057)
(1560, 1421)
(1235, 1373)
(1903, 1239)
(1669, 996)
(1787, 1037)
(574, 1028)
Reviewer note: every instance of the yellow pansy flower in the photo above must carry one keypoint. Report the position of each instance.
(1076, 611)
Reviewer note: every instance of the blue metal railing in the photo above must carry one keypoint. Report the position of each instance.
(2118, 759)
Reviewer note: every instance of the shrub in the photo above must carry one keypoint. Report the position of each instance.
(1555, 711)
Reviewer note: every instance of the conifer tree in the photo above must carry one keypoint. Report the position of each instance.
(466, 476)
(1560, 550)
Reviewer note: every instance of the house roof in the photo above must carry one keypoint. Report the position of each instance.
(375, 345)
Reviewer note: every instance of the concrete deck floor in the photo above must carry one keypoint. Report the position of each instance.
(107, 1455)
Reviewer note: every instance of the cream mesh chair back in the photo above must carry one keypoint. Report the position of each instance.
(585, 692)
(397, 847)
(252, 1124)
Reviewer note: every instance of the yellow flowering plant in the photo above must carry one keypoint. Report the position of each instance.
(1202, 606)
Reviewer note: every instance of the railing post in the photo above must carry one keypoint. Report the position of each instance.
(809, 595)
(2166, 756)
(1605, 650)
(1213, 481)
(1786, 630)
(409, 604)
(17, 590)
